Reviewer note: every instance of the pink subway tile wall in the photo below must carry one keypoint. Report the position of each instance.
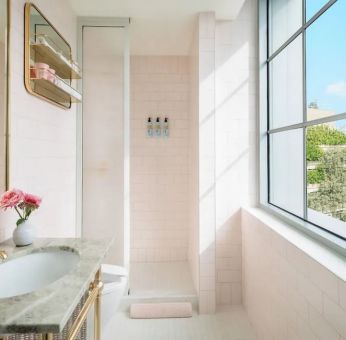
(287, 294)
(42, 136)
(160, 86)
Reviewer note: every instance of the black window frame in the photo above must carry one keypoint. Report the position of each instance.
(265, 131)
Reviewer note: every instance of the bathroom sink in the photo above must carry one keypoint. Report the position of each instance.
(33, 271)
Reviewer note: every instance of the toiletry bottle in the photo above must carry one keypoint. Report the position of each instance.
(150, 130)
(165, 129)
(158, 127)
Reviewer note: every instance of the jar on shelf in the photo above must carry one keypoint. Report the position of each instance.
(42, 71)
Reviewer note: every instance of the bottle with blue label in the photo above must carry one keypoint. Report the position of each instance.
(165, 129)
(157, 127)
(150, 129)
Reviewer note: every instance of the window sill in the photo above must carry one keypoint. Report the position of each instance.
(323, 254)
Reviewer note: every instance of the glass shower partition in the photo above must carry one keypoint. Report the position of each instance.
(103, 138)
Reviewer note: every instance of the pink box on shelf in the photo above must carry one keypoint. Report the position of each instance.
(43, 71)
(42, 66)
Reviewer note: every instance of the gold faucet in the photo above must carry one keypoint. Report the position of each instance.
(3, 255)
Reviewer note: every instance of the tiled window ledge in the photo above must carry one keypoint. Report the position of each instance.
(327, 257)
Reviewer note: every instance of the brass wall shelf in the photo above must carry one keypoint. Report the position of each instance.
(59, 93)
(45, 45)
(45, 54)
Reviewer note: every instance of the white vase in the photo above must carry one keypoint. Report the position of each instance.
(24, 234)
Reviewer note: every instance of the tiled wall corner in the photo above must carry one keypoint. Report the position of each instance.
(228, 262)
(206, 123)
(235, 126)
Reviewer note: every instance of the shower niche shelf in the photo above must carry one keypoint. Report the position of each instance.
(50, 72)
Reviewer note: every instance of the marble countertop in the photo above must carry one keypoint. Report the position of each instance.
(47, 310)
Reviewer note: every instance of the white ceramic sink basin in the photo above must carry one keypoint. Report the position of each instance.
(31, 272)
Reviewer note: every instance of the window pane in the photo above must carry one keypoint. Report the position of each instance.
(325, 63)
(286, 86)
(286, 171)
(285, 18)
(326, 175)
(313, 6)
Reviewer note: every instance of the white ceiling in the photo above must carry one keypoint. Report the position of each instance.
(159, 27)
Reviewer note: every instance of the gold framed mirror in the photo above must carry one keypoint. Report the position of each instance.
(4, 92)
(50, 71)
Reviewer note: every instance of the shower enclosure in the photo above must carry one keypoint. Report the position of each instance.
(163, 243)
(103, 122)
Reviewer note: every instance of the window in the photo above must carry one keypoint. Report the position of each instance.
(303, 110)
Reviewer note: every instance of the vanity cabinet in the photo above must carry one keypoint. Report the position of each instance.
(76, 326)
(58, 309)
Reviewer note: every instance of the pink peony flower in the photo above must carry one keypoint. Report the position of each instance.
(32, 200)
(11, 198)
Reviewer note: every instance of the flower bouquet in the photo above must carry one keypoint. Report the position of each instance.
(24, 204)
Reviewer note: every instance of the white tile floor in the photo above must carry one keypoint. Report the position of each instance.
(173, 282)
(229, 323)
